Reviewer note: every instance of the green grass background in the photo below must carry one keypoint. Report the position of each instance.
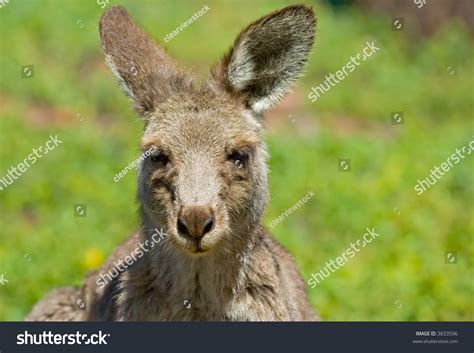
(402, 275)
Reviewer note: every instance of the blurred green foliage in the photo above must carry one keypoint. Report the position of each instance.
(402, 275)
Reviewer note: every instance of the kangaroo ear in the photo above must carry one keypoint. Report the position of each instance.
(267, 57)
(148, 76)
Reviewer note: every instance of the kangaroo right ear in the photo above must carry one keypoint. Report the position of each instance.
(148, 76)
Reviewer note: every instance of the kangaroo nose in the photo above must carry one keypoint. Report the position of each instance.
(195, 221)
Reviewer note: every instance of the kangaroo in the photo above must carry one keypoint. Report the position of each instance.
(204, 184)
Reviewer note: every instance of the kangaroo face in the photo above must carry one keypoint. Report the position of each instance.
(201, 179)
(206, 182)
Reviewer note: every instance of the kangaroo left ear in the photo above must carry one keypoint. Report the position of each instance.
(267, 57)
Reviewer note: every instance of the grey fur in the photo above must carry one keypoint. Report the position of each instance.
(214, 161)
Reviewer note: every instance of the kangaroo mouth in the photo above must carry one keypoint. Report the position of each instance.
(199, 249)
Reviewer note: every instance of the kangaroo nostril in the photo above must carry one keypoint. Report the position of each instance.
(182, 228)
(208, 225)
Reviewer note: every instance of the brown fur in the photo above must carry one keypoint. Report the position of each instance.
(62, 304)
(209, 174)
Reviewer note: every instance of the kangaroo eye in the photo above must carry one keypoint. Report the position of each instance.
(159, 159)
(239, 158)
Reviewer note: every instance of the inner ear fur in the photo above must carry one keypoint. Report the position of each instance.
(147, 74)
(267, 57)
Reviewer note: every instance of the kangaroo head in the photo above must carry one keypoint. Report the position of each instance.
(206, 179)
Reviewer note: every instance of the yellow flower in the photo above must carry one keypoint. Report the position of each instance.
(93, 258)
